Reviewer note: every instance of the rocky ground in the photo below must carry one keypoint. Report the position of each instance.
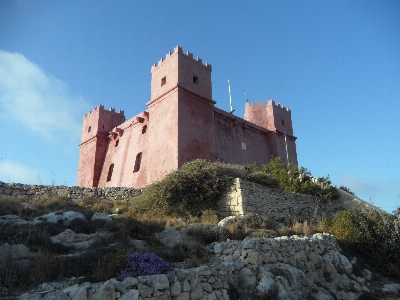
(296, 267)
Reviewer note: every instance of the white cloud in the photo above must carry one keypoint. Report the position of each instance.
(37, 100)
(14, 172)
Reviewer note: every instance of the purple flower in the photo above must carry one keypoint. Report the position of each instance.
(144, 264)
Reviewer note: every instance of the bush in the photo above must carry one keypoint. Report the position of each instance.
(369, 234)
(207, 233)
(292, 179)
(10, 205)
(251, 224)
(144, 264)
(346, 189)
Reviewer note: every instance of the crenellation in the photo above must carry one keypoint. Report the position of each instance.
(188, 54)
(272, 102)
(260, 104)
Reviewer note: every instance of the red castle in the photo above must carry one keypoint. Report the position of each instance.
(180, 125)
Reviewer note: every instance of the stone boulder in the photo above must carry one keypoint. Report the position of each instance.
(101, 217)
(64, 218)
(226, 221)
(79, 241)
(169, 237)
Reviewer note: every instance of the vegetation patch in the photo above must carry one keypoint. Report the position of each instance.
(372, 236)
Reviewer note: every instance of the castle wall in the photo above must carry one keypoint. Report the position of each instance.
(245, 197)
(277, 119)
(163, 136)
(87, 163)
(196, 128)
(93, 146)
(239, 142)
(124, 145)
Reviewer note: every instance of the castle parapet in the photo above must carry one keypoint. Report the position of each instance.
(272, 102)
(188, 54)
(100, 107)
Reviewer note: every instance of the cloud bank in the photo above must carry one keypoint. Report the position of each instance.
(37, 100)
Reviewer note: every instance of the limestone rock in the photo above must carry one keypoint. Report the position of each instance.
(130, 295)
(339, 261)
(102, 291)
(63, 217)
(101, 217)
(30, 297)
(169, 237)
(266, 283)
(227, 220)
(79, 241)
(390, 289)
(56, 295)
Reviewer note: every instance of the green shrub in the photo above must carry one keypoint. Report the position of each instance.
(346, 189)
(293, 179)
(373, 236)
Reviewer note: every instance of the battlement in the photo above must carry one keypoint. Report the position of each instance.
(189, 55)
(256, 105)
(100, 107)
(272, 102)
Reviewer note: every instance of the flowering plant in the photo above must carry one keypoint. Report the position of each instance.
(144, 264)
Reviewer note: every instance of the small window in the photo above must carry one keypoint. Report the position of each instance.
(195, 79)
(243, 145)
(283, 123)
(89, 129)
(103, 126)
(137, 162)
(163, 80)
(116, 143)
(110, 171)
(144, 129)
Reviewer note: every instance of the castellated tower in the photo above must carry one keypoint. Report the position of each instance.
(93, 146)
(181, 111)
(277, 119)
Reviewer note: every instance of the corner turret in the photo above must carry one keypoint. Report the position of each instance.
(96, 126)
(277, 119)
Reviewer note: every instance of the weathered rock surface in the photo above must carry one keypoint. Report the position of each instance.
(60, 217)
(297, 267)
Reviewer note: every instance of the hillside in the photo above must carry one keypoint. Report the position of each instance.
(76, 245)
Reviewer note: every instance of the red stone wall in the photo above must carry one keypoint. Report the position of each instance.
(93, 146)
(195, 127)
(238, 141)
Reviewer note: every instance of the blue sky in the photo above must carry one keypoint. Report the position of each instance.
(335, 64)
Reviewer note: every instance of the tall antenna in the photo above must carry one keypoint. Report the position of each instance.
(230, 96)
(245, 96)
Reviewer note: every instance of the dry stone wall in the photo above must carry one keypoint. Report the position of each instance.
(36, 192)
(297, 267)
(245, 197)
(242, 197)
